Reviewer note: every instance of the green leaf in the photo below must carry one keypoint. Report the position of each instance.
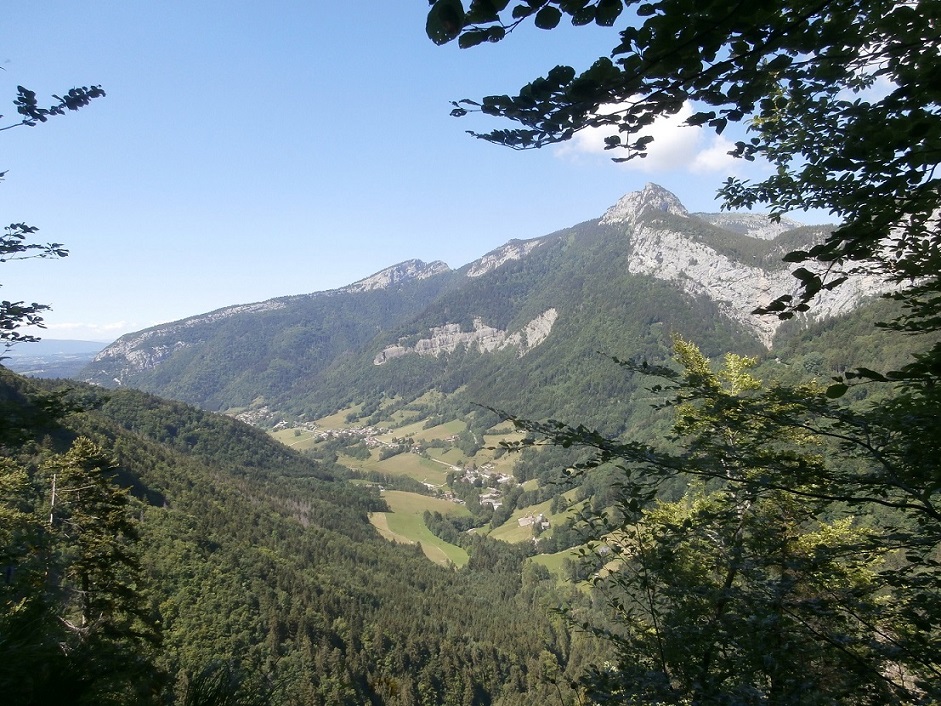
(495, 34)
(445, 21)
(796, 256)
(483, 12)
(701, 118)
(584, 16)
(837, 390)
(548, 17)
(472, 38)
(779, 63)
(561, 75)
(607, 12)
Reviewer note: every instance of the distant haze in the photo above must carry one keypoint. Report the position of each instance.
(55, 347)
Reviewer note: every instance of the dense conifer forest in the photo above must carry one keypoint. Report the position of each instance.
(246, 566)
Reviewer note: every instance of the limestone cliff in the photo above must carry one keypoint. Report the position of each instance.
(447, 338)
(754, 225)
(732, 259)
(137, 351)
(145, 350)
(669, 253)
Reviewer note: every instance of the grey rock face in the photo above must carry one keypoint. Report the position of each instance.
(514, 250)
(141, 355)
(137, 352)
(738, 289)
(661, 245)
(403, 272)
(447, 338)
(755, 225)
(651, 200)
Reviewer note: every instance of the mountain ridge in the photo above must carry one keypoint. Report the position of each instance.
(590, 276)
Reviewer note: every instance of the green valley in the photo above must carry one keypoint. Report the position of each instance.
(393, 517)
(660, 456)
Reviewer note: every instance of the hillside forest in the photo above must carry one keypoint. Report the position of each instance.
(657, 457)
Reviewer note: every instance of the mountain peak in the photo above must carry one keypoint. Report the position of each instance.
(403, 272)
(514, 250)
(652, 198)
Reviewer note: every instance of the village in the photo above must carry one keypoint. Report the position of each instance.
(492, 486)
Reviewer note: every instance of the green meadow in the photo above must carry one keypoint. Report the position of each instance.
(404, 524)
(555, 562)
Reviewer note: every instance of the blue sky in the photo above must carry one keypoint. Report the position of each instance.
(252, 150)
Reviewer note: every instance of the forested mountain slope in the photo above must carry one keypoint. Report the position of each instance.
(229, 357)
(522, 326)
(262, 563)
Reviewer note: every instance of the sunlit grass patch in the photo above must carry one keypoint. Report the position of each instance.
(405, 524)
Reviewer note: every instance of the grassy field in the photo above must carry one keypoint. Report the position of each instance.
(510, 531)
(404, 524)
(302, 440)
(452, 457)
(359, 464)
(495, 436)
(424, 470)
(338, 419)
(441, 431)
(299, 442)
(501, 466)
(401, 418)
(554, 562)
(414, 466)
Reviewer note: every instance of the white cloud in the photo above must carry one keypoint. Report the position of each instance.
(715, 158)
(676, 147)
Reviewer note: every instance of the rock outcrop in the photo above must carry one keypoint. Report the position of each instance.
(704, 255)
(447, 339)
(514, 250)
(397, 274)
(754, 225)
(670, 254)
(651, 200)
(138, 352)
